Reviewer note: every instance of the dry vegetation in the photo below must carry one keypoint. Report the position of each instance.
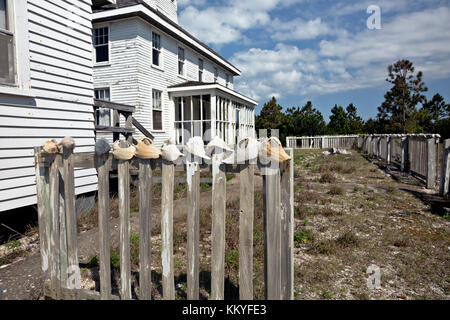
(350, 215)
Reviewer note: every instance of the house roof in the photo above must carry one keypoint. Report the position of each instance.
(196, 85)
(165, 26)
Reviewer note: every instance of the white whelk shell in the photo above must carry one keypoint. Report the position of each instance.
(247, 149)
(170, 152)
(217, 144)
(196, 147)
(121, 153)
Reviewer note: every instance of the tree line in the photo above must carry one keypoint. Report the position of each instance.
(405, 110)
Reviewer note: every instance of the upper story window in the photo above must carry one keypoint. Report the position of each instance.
(103, 115)
(228, 79)
(157, 110)
(200, 70)
(101, 44)
(181, 61)
(156, 43)
(7, 59)
(216, 75)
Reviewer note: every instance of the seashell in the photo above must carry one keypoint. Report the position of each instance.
(247, 149)
(196, 147)
(145, 149)
(51, 147)
(217, 144)
(102, 147)
(271, 149)
(170, 152)
(121, 153)
(68, 143)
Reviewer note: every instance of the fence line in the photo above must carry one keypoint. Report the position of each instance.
(57, 226)
(321, 142)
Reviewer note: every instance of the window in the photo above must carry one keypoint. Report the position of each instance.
(181, 59)
(216, 75)
(157, 110)
(7, 60)
(200, 70)
(103, 115)
(228, 79)
(156, 39)
(101, 44)
(192, 118)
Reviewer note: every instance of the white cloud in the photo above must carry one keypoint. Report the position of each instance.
(350, 61)
(299, 29)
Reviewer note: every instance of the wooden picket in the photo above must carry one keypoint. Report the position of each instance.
(57, 225)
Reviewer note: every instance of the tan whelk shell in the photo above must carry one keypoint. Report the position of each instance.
(272, 150)
(170, 152)
(217, 144)
(51, 147)
(145, 149)
(196, 147)
(68, 143)
(121, 153)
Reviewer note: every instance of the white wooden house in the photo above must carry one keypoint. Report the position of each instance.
(46, 89)
(179, 86)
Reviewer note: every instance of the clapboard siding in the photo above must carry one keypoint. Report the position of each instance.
(60, 53)
(131, 77)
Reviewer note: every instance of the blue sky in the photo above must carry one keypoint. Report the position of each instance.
(323, 51)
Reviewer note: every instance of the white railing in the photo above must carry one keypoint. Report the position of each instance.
(322, 142)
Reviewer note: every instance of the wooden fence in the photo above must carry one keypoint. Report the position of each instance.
(417, 154)
(322, 142)
(58, 226)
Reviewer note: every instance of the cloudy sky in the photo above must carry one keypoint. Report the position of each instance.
(322, 50)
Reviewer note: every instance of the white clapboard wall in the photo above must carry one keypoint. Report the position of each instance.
(60, 100)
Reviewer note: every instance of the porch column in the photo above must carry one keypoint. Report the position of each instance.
(213, 115)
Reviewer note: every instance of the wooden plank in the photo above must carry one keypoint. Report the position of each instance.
(44, 214)
(113, 106)
(218, 228)
(55, 270)
(272, 237)
(124, 213)
(145, 227)
(193, 227)
(431, 163)
(104, 226)
(74, 294)
(63, 249)
(287, 228)
(444, 189)
(142, 129)
(74, 277)
(168, 280)
(246, 218)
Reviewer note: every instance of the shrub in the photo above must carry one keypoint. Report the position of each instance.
(93, 261)
(327, 178)
(336, 190)
(348, 240)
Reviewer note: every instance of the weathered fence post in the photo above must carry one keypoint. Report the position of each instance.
(168, 280)
(124, 213)
(287, 228)
(445, 170)
(103, 166)
(193, 222)
(218, 226)
(247, 195)
(145, 228)
(431, 163)
(388, 149)
(44, 214)
(405, 154)
(73, 270)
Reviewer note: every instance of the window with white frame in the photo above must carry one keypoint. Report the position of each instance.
(216, 74)
(200, 70)
(101, 44)
(157, 109)
(227, 79)
(156, 43)
(7, 59)
(193, 118)
(103, 115)
(181, 61)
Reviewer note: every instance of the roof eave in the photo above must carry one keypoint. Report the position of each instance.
(146, 14)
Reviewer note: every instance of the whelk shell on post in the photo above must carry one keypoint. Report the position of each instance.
(146, 150)
(51, 147)
(272, 150)
(123, 153)
(170, 152)
(196, 147)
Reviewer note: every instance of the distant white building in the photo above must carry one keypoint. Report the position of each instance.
(179, 86)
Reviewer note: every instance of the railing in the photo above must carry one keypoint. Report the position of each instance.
(58, 230)
(321, 142)
(444, 189)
